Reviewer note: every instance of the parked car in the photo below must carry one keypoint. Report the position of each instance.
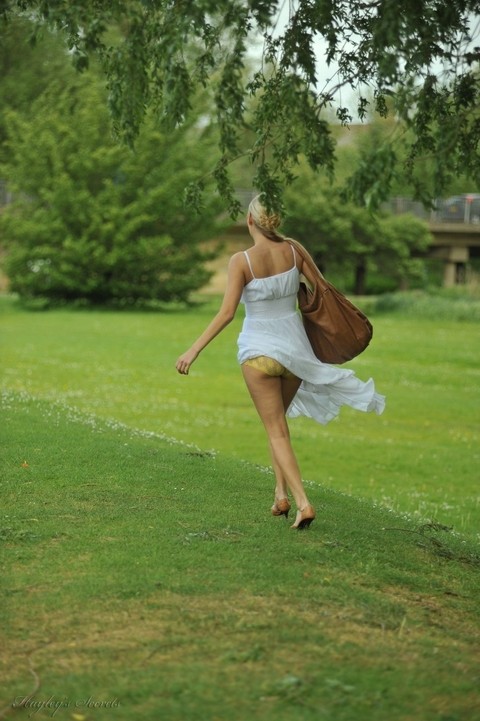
(461, 208)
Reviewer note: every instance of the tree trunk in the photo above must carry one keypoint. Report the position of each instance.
(360, 277)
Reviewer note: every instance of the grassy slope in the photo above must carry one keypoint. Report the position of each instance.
(151, 576)
(421, 456)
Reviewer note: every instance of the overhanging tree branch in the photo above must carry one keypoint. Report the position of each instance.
(156, 53)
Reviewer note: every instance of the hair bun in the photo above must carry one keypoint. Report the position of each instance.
(270, 222)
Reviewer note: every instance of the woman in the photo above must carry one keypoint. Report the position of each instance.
(282, 374)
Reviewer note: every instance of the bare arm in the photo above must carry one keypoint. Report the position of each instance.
(233, 292)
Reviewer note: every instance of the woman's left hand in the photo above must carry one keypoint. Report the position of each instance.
(185, 361)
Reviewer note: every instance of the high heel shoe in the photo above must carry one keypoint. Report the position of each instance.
(304, 517)
(281, 507)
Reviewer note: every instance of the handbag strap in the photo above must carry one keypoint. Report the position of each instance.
(307, 258)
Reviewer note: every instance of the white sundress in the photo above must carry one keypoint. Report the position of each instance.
(273, 327)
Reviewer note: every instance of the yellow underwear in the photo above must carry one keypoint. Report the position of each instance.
(269, 366)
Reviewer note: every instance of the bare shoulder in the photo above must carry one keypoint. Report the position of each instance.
(237, 267)
(300, 252)
(237, 261)
(237, 257)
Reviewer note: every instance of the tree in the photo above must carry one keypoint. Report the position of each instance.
(401, 242)
(94, 221)
(383, 153)
(30, 64)
(341, 236)
(417, 58)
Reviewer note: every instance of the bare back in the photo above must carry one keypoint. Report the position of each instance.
(270, 259)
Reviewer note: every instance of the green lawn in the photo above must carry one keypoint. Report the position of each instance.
(421, 456)
(144, 579)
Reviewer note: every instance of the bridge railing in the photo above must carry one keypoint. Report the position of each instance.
(456, 209)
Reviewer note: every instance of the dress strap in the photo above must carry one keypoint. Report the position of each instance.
(294, 256)
(249, 264)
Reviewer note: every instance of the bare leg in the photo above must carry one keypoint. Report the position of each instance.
(281, 487)
(271, 396)
(289, 387)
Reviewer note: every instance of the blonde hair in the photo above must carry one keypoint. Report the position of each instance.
(266, 222)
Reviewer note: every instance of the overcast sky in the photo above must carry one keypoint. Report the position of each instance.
(327, 75)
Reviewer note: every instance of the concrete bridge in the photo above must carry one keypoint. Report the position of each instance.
(456, 245)
(455, 228)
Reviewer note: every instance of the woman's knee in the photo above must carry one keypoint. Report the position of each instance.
(277, 428)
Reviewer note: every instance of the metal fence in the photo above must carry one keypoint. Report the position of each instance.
(457, 209)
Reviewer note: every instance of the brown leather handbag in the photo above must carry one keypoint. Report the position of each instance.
(337, 330)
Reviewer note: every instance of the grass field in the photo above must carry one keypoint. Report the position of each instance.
(421, 456)
(144, 577)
